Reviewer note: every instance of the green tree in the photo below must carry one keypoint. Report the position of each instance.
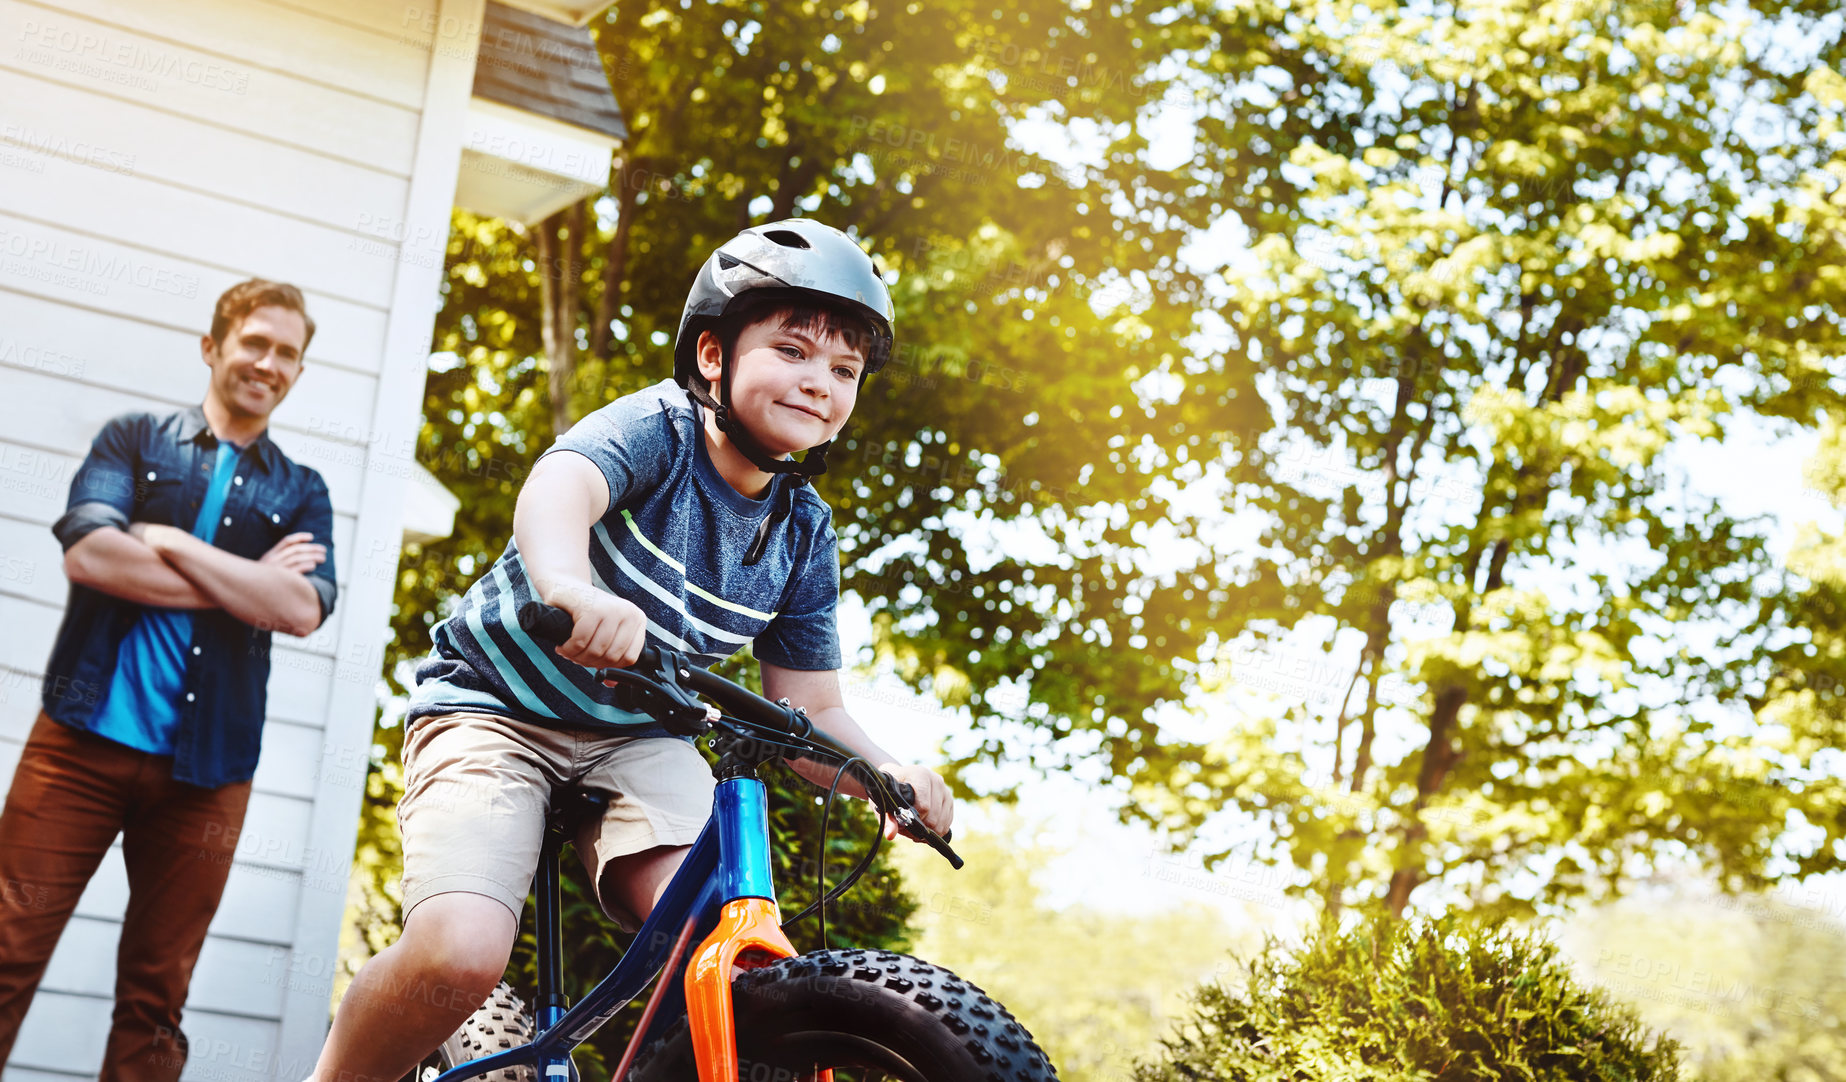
(1803, 710)
(741, 114)
(1501, 261)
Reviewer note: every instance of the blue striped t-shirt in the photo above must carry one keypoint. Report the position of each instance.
(672, 541)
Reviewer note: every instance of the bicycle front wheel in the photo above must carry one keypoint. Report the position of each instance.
(869, 1015)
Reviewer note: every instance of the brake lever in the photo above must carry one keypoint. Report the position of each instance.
(685, 714)
(911, 825)
(627, 676)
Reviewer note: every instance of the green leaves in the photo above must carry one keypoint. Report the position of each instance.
(1501, 265)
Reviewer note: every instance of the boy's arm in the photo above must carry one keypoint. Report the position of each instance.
(562, 499)
(819, 694)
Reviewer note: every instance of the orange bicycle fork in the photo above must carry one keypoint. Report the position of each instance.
(749, 932)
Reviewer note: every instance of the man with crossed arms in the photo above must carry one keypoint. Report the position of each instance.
(188, 539)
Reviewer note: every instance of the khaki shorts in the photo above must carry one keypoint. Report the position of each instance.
(476, 787)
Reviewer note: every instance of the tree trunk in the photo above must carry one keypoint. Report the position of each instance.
(1368, 730)
(615, 261)
(558, 238)
(1439, 755)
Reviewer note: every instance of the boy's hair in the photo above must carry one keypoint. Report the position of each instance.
(245, 297)
(797, 313)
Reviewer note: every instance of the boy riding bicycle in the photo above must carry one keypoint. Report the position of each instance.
(677, 516)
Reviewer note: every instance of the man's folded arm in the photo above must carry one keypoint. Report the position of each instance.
(314, 517)
(100, 554)
(98, 551)
(271, 593)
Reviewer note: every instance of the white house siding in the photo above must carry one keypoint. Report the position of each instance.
(152, 153)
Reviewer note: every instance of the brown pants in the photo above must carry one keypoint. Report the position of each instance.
(72, 793)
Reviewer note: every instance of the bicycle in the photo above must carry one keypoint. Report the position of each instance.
(783, 1016)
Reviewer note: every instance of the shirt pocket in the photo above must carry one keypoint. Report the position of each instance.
(159, 496)
(258, 516)
(269, 521)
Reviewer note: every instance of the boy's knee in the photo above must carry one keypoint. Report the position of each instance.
(452, 976)
(462, 948)
(464, 972)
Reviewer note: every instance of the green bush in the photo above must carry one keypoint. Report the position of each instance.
(1416, 1002)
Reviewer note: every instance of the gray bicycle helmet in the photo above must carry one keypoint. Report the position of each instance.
(806, 261)
(795, 256)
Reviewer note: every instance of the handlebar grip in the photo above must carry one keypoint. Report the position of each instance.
(547, 623)
(552, 625)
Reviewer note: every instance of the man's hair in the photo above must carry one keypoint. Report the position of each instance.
(245, 297)
(796, 313)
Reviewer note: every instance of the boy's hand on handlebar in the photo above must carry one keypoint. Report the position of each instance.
(606, 631)
(933, 803)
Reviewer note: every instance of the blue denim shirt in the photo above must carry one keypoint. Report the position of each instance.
(146, 468)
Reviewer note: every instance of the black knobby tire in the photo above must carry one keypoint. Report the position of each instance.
(890, 1014)
(499, 1023)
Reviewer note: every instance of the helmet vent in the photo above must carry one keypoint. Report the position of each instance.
(725, 262)
(787, 238)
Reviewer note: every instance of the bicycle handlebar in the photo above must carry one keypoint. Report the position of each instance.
(668, 675)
